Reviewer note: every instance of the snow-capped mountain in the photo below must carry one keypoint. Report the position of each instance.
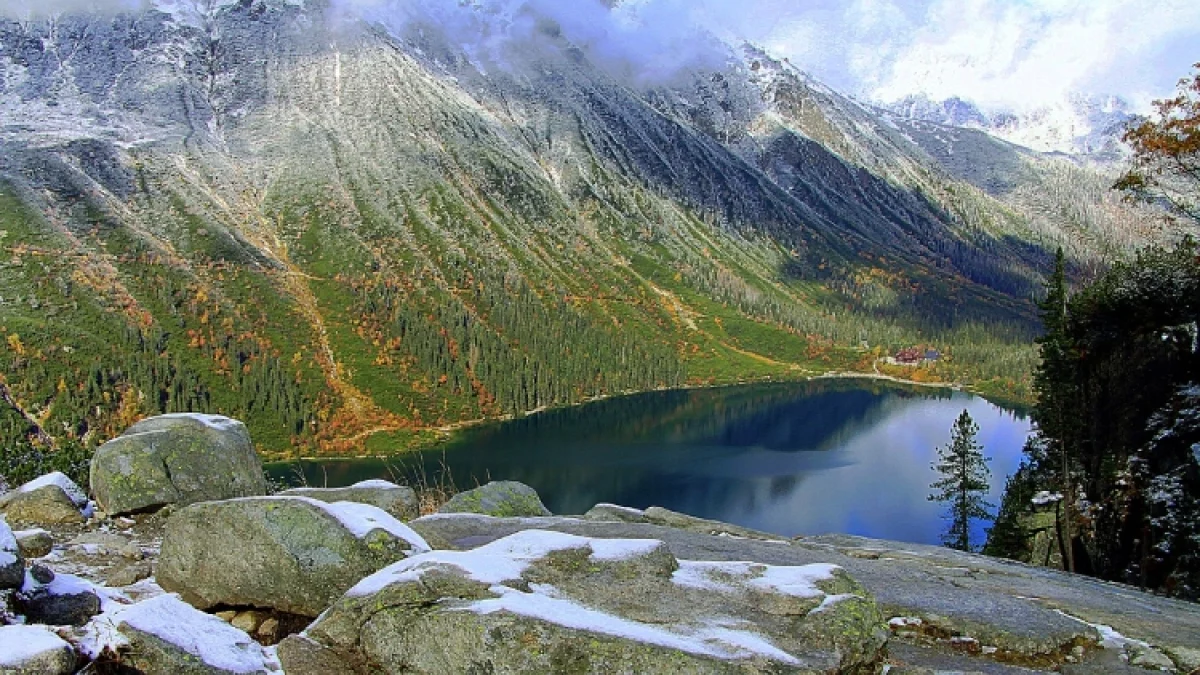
(1079, 124)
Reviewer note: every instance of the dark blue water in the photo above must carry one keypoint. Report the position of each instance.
(849, 456)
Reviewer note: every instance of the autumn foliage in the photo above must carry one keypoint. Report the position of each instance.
(1166, 153)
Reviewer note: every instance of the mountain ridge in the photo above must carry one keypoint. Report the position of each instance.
(332, 229)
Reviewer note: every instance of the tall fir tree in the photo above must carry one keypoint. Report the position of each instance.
(963, 483)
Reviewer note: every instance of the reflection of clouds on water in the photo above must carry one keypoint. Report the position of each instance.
(791, 459)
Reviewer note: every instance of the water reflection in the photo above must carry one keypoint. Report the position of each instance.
(807, 458)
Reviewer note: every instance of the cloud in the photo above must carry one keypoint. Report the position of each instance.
(1002, 53)
(1014, 54)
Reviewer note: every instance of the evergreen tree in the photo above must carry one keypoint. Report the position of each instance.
(964, 482)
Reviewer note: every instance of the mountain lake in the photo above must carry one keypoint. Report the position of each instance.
(833, 455)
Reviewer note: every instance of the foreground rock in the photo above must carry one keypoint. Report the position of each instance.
(34, 650)
(57, 599)
(34, 543)
(53, 499)
(176, 459)
(398, 500)
(1022, 614)
(292, 554)
(166, 635)
(549, 602)
(12, 563)
(503, 499)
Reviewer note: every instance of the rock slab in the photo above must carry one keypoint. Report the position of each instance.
(542, 601)
(176, 459)
(34, 650)
(398, 500)
(166, 635)
(53, 499)
(502, 499)
(291, 554)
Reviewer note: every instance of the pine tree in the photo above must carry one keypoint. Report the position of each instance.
(964, 482)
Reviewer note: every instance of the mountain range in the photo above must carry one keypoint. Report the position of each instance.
(356, 233)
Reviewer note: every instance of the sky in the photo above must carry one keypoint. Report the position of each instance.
(1003, 54)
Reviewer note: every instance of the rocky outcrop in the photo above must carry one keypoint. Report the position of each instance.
(34, 650)
(503, 499)
(292, 554)
(12, 563)
(398, 500)
(176, 459)
(937, 597)
(166, 635)
(48, 500)
(542, 601)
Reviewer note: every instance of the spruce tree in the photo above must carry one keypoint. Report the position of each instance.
(964, 482)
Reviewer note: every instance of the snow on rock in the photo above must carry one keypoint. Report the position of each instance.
(12, 567)
(217, 422)
(60, 479)
(718, 642)
(727, 577)
(1045, 497)
(205, 637)
(504, 559)
(26, 648)
(362, 519)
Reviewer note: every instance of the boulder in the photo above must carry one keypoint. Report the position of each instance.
(502, 499)
(12, 563)
(176, 459)
(540, 601)
(65, 600)
(34, 650)
(657, 515)
(166, 635)
(34, 543)
(52, 499)
(398, 500)
(291, 554)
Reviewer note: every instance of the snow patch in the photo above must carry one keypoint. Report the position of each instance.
(19, 644)
(375, 484)
(60, 480)
(628, 510)
(211, 640)
(8, 545)
(1045, 497)
(711, 641)
(359, 519)
(502, 560)
(725, 577)
(217, 422)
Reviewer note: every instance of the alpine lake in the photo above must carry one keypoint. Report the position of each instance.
(847, 456)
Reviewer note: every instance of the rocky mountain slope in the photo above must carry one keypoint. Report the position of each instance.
(354, 233)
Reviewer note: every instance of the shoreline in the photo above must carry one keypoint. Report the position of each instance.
(447, 431)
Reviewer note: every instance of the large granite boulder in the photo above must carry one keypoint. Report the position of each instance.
(166, 635)
(176, 459)
(292, 554)
(12, 563)
(398, 500)
(502, 499)
(540, 601)
(34, 650)
(53, 499)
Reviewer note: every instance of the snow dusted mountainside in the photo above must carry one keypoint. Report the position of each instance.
(1087, 125)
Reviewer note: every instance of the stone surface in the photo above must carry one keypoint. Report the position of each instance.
(176, 459)
(498, 498)
(45, 505)
(126, 574)
(398, 500)
(547, 602)
(1035, 613)
(34, 543)
(34, 650)
(165, 635)
(293, 554)
(64, 601)
(12, 562)
(41, 573)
